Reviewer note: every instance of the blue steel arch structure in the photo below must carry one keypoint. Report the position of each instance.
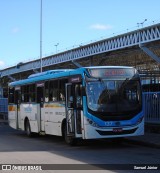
(138, 37)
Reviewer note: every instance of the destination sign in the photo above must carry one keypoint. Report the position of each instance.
(111, 72)
(75, 79)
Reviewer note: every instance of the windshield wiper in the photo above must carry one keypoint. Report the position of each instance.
(105, 91)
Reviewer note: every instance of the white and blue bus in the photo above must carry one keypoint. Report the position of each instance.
(84, 103)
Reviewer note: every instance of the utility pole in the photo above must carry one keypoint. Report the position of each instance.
(41, 37)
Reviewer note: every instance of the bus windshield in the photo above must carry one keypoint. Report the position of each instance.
(116, 96)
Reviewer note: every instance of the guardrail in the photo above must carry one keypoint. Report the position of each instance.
(3, 108)
(151, 105)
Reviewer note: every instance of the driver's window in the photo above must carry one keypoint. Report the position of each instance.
(78, 95)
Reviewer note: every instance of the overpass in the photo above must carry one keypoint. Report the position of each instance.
(144, 41)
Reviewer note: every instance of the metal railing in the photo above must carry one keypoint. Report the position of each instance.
(3, 108)
(151, 105)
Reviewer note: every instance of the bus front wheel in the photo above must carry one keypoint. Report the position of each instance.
(68, 139)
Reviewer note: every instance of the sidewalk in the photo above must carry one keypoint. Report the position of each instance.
(148, 140)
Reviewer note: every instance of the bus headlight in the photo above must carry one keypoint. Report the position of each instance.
(92, 123)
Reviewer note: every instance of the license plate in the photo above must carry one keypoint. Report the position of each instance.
(117, 130)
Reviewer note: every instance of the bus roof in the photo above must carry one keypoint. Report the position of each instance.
(38, 77)
(49, 72)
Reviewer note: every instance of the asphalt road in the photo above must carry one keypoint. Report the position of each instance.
(17, 148)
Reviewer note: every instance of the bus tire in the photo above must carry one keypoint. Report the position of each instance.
(28, 129)
(68, 139)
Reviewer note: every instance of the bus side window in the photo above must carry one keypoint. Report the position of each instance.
(40, 91)
(46, 93)
(32, 94)
(62, 89)
(25, 93)
(53, 90)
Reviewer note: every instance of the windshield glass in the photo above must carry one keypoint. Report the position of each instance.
(113, 96)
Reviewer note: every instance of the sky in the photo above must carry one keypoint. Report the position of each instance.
(67, 24)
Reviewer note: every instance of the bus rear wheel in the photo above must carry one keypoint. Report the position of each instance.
(28, 129)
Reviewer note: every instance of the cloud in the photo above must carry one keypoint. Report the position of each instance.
(101, 27)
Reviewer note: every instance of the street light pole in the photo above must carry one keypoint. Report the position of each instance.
(141, 23)
(56, 46)
(41, 37)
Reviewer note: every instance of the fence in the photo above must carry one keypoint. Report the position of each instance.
(151, 105)
(3, 108)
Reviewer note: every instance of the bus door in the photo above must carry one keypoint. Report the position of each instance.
(40, 101)
(73, 109)
(17, 102)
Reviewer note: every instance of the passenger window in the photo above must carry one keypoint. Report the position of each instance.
(32, 94)
(62, 93)
(53, 91)
(25, 93)
(46, 94)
